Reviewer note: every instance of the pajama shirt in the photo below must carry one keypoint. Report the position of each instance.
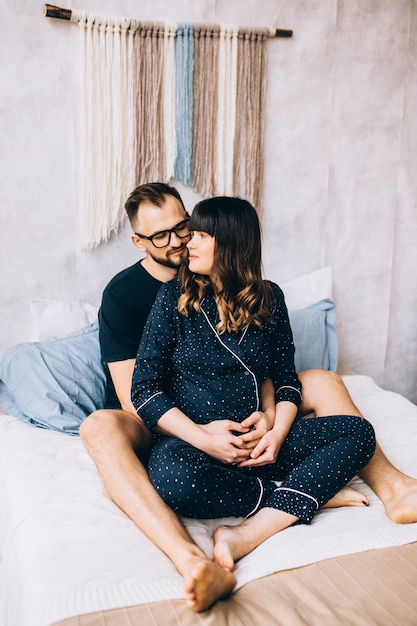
(183, 362)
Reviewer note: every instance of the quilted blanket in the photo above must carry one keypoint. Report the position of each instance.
(67, 549)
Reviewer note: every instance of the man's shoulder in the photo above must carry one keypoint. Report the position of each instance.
(128, 274)
(133, 277)
(125, 305)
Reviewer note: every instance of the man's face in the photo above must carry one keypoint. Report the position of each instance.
(151, 220)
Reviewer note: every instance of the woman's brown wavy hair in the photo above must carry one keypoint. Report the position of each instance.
(243, 296)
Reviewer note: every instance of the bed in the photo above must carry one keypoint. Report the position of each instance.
(69, 556)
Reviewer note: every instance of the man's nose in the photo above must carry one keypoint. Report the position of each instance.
(176, 241)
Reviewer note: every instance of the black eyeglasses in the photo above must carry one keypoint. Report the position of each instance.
(162, 238)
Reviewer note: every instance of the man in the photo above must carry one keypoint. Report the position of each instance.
(118, 441)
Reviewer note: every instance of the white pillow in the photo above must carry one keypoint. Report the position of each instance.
(57, 318)
(308, 289)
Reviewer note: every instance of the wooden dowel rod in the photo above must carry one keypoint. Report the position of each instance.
(62, 14)
(281, 32)
(65, 14)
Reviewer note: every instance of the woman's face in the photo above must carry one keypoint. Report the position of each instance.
(201, 252)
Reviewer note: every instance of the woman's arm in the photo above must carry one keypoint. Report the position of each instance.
(154, 359)
(282, 369)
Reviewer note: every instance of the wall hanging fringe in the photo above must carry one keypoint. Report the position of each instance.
(165, 101)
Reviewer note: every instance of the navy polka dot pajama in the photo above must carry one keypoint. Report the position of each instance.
(317, 459)
(183, 362)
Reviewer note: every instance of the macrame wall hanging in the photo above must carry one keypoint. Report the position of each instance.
(167, 101)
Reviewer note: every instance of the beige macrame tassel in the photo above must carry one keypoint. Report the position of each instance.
(168, 99)
(108, 125)
(251, 98)
(227, 85)
(206, 59)
(149, 68)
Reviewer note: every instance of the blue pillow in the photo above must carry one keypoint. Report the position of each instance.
(315, 336)
(54, 383)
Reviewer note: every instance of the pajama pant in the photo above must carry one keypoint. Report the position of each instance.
(319, 456)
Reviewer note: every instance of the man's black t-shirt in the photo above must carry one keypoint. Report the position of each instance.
(125, 307)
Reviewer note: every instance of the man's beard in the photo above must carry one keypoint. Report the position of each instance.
(167, 262)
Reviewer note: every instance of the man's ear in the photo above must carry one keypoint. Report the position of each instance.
(138, 242)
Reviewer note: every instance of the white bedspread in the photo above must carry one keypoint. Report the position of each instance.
(68, 550)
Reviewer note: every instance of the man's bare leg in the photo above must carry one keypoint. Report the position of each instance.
(325, 393)
(114, 440)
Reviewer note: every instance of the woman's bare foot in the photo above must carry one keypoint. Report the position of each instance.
(207, 583)
(226, 542)
(347, 497)
(234, 542)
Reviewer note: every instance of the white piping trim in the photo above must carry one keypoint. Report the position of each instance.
(243, 334)
(148, 400)
(290, 387)
(235, 355)
(301, 493)
(259, 499)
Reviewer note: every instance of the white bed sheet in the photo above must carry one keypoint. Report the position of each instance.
(68, 550)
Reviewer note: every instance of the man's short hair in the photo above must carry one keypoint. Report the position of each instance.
(154, 193)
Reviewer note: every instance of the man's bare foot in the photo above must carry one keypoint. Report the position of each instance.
(396, 490)
(401, 506)
(346, 497)
(207, 583)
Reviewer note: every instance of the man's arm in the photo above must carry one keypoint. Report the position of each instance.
(121, 373)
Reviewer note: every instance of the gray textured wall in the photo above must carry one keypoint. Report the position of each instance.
(340, 155)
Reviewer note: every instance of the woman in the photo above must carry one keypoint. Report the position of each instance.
(214, 336)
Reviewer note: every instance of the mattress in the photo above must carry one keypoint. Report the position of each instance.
(70, 556)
